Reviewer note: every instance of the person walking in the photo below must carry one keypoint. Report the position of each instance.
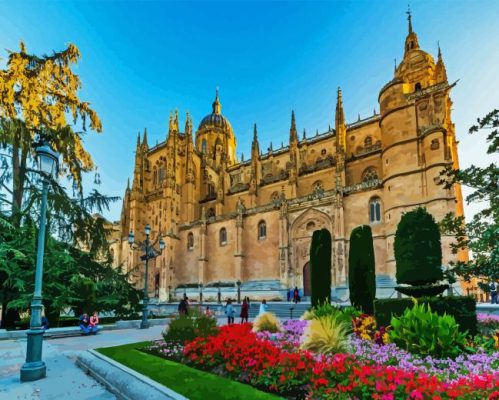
(263, 307)
(183, 306)
(244, 311)
(230, 312)
(493, 292)
(296, 295)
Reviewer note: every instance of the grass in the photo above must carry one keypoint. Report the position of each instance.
(189, 382)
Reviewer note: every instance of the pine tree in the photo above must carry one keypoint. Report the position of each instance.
(361, 274)
(320, 267)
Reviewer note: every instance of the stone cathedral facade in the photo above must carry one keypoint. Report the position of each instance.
(225, 219)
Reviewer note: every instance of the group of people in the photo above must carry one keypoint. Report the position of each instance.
(89, 325)
(230, 311)
(294, 295)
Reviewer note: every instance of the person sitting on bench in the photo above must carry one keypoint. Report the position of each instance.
(94, 323)
(84, 324)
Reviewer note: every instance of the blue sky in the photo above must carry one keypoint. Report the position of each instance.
(142, 60)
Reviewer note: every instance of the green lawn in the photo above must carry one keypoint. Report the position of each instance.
(189, 382)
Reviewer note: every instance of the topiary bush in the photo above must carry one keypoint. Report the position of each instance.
(418, 253)
(326, 335)
(423, 332)
(361, 275)
(320, 267)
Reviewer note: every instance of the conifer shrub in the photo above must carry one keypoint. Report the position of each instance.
(320, 267)
(418, 253)
(361, 274)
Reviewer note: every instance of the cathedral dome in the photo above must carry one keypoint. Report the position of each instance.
(216, 119)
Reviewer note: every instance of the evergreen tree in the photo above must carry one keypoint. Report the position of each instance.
(418, 252)
(481, 233)
(361, 274)
(320, 267)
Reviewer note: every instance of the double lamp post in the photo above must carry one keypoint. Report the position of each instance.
(149, 253)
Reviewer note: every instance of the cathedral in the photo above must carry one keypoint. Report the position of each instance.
(226, 221)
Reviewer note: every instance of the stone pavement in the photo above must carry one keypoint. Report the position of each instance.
(64, 379)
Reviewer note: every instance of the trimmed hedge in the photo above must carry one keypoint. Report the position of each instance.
(361, 276)
(320, 267)
(418, 252)
(462, 308)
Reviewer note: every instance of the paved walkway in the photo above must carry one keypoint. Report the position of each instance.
(64, 379)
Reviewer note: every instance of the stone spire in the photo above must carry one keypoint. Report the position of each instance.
(340, 127)
(293, 133)
(440, 71)
(255, 147)
(188, 128)
(411, 41)
(217, 107)
(144, 140)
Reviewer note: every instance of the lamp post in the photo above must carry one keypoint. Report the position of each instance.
(238, 283)
(149, 253)
(34, 368)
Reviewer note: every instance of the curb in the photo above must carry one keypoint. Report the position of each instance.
(122, 381)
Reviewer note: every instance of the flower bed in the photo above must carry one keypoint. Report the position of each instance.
(274, 362)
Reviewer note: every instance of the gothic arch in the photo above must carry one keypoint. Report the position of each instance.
(301, 232)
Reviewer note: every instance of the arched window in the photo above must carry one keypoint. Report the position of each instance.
(374, 210)
(223, 237)
(368, 141)
(190, 241)
(262, 230)
(203, 146)
(370, 174)
(418, 86)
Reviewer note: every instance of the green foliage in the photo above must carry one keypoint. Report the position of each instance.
(188, 327)
(267, 322)
(418, 252)
(463, 309)
(481, 234)
(320, 266)
(72, 278)
(326, 334)
(423, 332)
(325, 309)
(361, 274)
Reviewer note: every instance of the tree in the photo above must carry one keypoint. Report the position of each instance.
(37, 95)
(418, 252)
(72, 278)
(481, 234)
(320, 267)
(361, 269)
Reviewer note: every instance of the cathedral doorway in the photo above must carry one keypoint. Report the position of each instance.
(302, 228)
(307, 286)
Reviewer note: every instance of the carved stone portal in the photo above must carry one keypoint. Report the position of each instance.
(301, 233)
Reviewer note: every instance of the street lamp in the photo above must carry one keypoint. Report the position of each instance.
(34, 368)
(238, 283)
(149, 253)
